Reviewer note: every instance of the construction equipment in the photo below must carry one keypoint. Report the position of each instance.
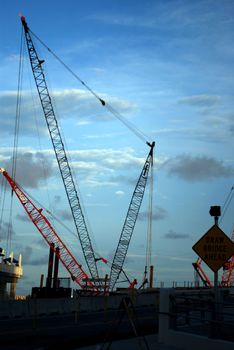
(228, 267)
(130, 220)
(201, 273)
(61, 155)
(47, 231)
(228, 270)
(68, 180)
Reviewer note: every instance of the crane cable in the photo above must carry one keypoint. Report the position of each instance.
(127, 123)
(2, 204)
(55, 218)
(227, 202)
(15, 144)
(150, 220)
(18, 105)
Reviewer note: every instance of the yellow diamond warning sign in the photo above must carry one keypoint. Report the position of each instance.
(214, 248)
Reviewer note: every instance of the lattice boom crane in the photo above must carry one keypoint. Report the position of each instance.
(130, 220)
(60, 153)
(47, 231)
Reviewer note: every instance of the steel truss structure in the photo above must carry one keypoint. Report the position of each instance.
(61, 155)
(130, 220)
(47, 231)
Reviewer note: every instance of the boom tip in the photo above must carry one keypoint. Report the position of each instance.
(152, 144)
(23, 21)
(22, 17)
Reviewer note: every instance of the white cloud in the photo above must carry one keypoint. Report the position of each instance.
(78, 105)
(95, 167)
(120, 193)
(83, 122)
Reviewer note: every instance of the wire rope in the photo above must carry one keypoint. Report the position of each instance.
(117, 115)
(227, 203)
(37, 130)
(2, 205)
(18, 106)
(127, 123)
(15, 144)
(150, 221)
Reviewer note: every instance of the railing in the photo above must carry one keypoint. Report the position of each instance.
(180, 284)
(200, 314)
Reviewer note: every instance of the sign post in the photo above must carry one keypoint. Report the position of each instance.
(215, 248)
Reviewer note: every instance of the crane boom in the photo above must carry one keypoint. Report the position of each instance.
(228, 270)
(60, 153)
(47, 231)
(201, 273)
(130, 220)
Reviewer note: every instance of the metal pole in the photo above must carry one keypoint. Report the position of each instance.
(216, 290)
(50, 266)
(56, 267)
(151, 276)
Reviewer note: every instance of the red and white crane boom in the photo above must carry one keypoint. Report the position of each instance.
(228, 270)
(201, 273)
(47, 231)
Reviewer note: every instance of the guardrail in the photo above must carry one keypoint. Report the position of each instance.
(200, 314)
(192, 319)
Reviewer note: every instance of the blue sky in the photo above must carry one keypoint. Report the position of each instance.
(165, 66)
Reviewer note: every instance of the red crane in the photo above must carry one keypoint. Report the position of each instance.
(47, 231)
(201, 273)
(228, 270)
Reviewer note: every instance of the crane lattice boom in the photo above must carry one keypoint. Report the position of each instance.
(47, 231)
(228, 270)
(130, 220)
(60, 153)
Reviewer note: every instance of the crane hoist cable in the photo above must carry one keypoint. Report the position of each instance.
(150, 219)
(61, 156)
(227, 203)
(228, 268)
(18, 108)
(16, 140)
(55, 218)
(2, 206)
(115, 113)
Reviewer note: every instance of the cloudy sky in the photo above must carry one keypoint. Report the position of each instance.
(166, 67)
